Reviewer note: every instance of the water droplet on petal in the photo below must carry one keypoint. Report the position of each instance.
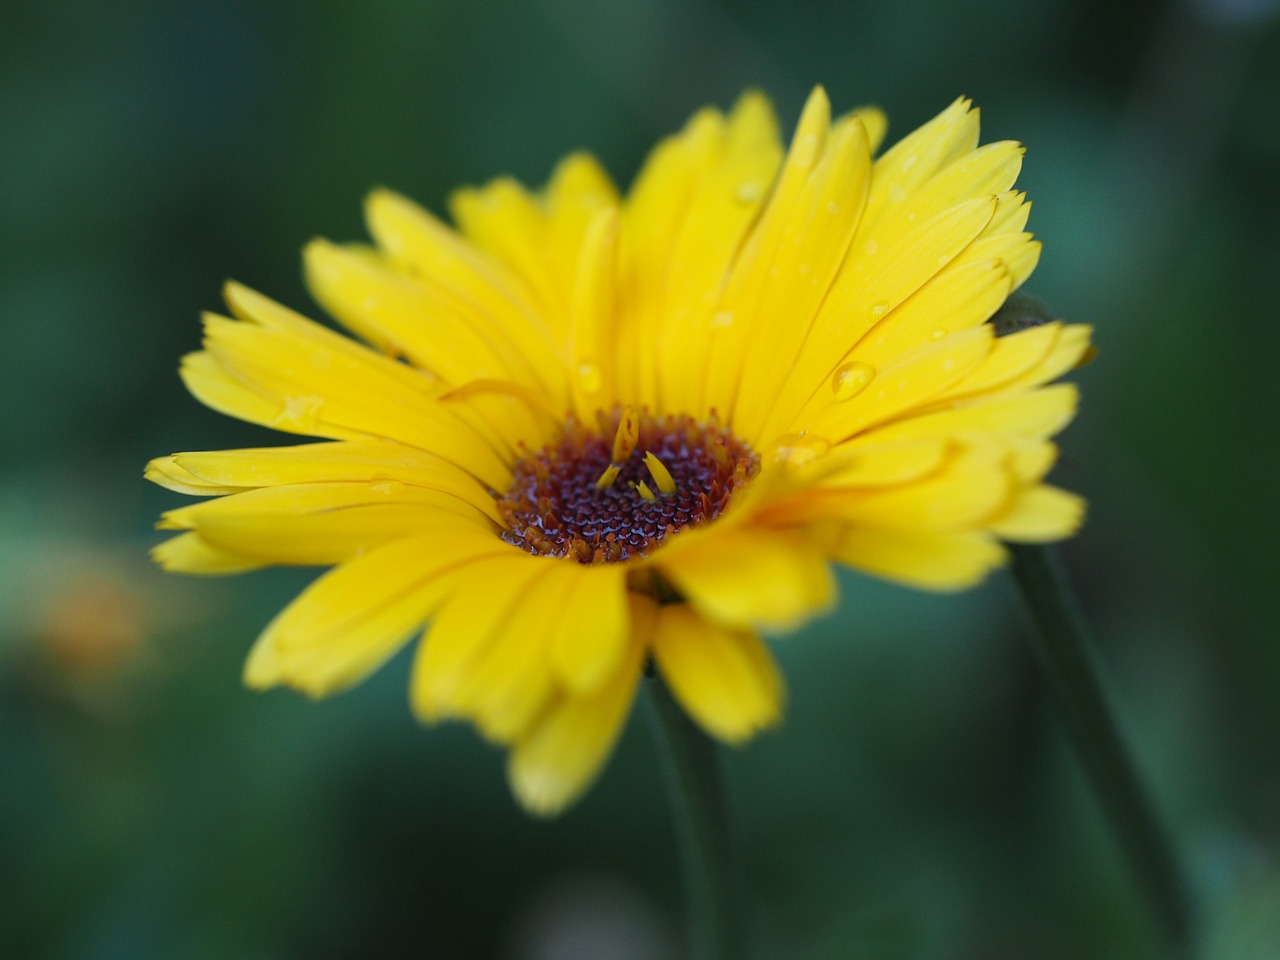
(938, 334)
(879, 309)
(871, 248)
(748, 192)
(897, 193)
(589, 377)
(832, 207)
(722, 320)
(798, 449)
(850, 379)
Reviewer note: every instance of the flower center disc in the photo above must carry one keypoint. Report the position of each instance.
(615, 492)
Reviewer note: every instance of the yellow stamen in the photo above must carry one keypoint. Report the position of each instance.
(610, 474)
(642, 488)
(624, 441)
(661, 475)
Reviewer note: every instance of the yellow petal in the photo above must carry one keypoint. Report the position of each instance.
(911, 381)
(358, 615)
(749, 278)
(483, 605)
(559, 756)
(369, 461)
(709, 186)
(590, 637)
(805, 248)
(1065, 355)
(966, 493)
(515, 678)
(404, 317)
(748, 576)
(167, 473)
(1010, 357)
(866, 464)
(875, 279)
(323, 523)
(931, 561)
(310, 388)
(475, 286)
(591, 317)
(1041, 514)
(191, 553)
(1033, 416)
(917, 157)
(724, 679)
(959, 298)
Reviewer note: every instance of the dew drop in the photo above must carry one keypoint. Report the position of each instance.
(850, 379)
(748, 192)
(589, 377)
(897, 193)
(872, 247)
(938, 334)
(832, 207)
(722, 320)
(879, 309)
(910, 162)
(798, 449)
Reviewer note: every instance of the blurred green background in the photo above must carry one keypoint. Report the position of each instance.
(919, 801)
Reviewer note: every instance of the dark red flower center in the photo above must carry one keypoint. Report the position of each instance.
(616, 490)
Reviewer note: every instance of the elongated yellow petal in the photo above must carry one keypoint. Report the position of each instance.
(1033, 416)
(191, 553)
(725, 679)
(484, 602)
(911, 381)
(877, 277)
(311, 389)
(591, 305)
(914, 159)
(356, 616)
(322, 523)
(749, 577)
(475, 287)
(929, 561)
(802, 268)
(959, 298)
(588, 644)
(868, 464)
(370, 462)
(560, 754)
(972, 489)
(515, 679)
(726, 171)
(404, 317)
(1041, 514)
(748, 290)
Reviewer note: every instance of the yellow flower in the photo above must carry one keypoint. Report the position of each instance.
(585, 431)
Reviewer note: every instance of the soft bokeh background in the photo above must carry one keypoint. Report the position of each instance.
(919, 801)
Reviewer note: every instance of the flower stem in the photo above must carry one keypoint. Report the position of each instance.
(1061, 645)
(708, 853)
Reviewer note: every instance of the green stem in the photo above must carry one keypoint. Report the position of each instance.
(1062, 647)
(708, 854)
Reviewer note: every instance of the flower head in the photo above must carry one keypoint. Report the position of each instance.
(584, 430)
